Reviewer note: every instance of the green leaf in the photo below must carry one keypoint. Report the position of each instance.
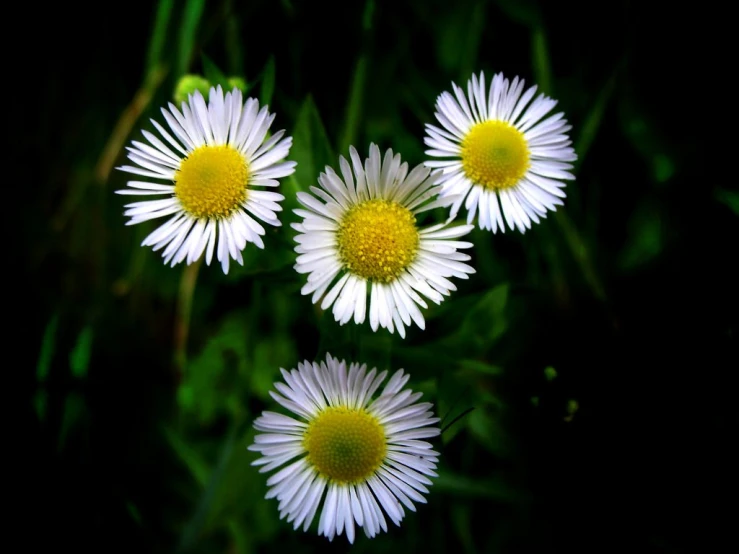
(451, 429)
(214, 378)
(48, 343)
(477, 366)
(241, 480)
(214, 74)
(268, 82)
(729, 198)
(79, 358)
(484, 322)
(269, 355)
(484, 426)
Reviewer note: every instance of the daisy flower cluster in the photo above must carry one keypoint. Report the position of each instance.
(350, 448)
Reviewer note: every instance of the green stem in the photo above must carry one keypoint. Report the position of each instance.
(158, 35)
(182, 318)
(125, 123)
(188, 29)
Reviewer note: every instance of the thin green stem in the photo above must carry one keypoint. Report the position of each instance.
(158, 35)
(125, 123)
(182, 318)
(191, 17)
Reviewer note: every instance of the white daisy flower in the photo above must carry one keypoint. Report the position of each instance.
(364, 453)
(359, 238)
(506, 162)
(213, 172)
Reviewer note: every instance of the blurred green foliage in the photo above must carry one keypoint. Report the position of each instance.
(147, 378)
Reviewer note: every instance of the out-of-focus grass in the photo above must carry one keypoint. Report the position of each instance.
(147, 378)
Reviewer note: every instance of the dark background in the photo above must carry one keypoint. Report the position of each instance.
(647, 347)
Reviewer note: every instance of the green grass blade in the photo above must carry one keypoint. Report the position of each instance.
(158, 35)
(354, 106)
(79, 358)
(48, 342)
(268, 82)
(591, 124)
(188, 31)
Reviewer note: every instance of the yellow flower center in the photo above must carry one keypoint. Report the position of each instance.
(211, 181)
(378, 239)
(345, 445)
(495, 155)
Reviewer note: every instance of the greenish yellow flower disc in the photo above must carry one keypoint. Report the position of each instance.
(345, 445)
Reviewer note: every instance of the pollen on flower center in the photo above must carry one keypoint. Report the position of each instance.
(495, 154)
(344, 444)
(211, 181)
(378, 239)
